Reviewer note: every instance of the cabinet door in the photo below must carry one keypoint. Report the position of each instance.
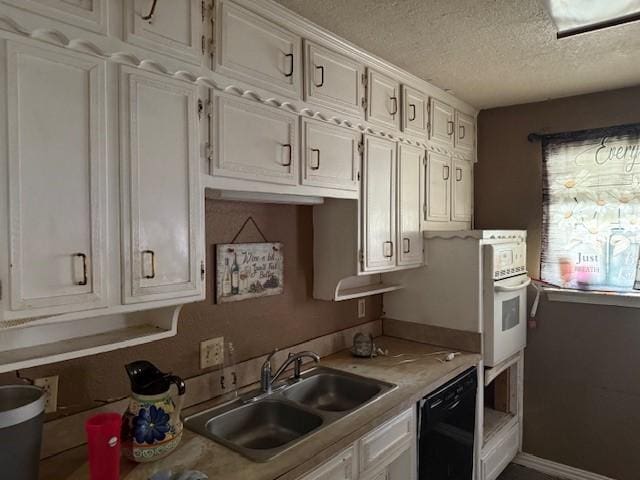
(331, 157)
(57, 177)
(414, 111)
(256, 50)
(409, 241)
(383, 102)
(379, 204)
(438, 181)
(333, 80)
(465, 131)
(462, 192)
(441, 122)
(88, 14)
(341, 467)
(161, 198)
(172, 27)
(255, 142)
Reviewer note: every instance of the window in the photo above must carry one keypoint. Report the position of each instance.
(591, 209)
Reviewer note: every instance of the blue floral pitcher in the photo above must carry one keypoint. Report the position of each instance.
(151, 426)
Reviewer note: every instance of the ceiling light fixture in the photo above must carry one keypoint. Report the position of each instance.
(573, 17)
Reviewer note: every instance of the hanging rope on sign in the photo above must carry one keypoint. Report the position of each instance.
(250, 219)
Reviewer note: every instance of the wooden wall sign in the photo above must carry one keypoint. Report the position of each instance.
(248, 270)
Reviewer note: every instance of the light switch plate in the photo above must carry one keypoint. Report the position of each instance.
(50, 387)
(212, 352)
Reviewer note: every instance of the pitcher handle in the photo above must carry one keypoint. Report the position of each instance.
(179, 383)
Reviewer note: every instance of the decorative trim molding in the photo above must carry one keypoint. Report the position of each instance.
(556, 469)
(216, 81)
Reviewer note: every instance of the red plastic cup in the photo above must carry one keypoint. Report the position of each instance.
(103, 439)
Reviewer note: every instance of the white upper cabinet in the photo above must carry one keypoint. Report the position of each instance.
(254, 141)
(331, 155)
(88, 14)
(442, 127)
(465, 131)
(462, 191)
(414, 112)
(410, 181)
(172, 27)
(383, 100)
(333, 80)
(161, 206)
(57, 178)
(438, 188)
(256, 50)
(379, 204)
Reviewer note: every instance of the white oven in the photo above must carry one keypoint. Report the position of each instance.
(504, 286)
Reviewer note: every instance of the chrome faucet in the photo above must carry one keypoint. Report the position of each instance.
(268, 378)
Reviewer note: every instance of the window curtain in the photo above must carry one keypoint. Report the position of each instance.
(591, 209)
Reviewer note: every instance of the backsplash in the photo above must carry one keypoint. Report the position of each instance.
(254, 326)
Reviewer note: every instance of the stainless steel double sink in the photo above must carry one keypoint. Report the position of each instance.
(262, 426)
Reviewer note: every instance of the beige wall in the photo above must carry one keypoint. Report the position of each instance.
(254, 326)
(582, 363)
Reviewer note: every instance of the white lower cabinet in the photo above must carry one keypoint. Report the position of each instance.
(161, 233)
(254, 142)
(57, 182)
(331, 156)
(495, 459)
(386, 453)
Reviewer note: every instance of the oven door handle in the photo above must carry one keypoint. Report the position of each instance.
(514, 288)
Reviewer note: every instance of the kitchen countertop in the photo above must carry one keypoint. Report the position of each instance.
(415, 373)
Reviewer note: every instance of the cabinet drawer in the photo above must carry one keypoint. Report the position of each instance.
(341, 467)
(254, 142)
(331, 157)
(496, 459)
(333, 80)
(257, 51)
(377, 446)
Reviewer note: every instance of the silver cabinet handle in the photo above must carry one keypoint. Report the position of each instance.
(395, 105)
(445, 172)
(390, 249)
(290, 149)
(450, 127)
(463, 132)
(458, 177)
(406, 241)
(317, 167)
(290, 73)
(85, 279)
(153, 263)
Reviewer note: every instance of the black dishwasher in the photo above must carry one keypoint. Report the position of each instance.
(446, 428)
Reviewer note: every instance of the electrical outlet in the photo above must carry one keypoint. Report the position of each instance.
(50, 387)
(212, 352)
(361, 309)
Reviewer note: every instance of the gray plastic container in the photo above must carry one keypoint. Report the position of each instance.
(21, 413)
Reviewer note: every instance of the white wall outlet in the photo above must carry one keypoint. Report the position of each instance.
(50, 387)
(212, 352)
(361, 309)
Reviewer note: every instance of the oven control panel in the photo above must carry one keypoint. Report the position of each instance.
(509, 259)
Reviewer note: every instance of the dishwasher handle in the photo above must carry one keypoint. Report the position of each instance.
(513, 288)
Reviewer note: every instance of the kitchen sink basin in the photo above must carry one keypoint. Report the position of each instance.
(261, 426)
(333, 392)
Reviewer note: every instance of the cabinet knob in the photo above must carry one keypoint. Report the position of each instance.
(290, 72)
(394, 102)
(290, 149)
(321, 68)
(458, 174)
(450, 127)
(317, 151)
(407, 242)
(390, 250)
(445, 172)
(149, 16)
(463, 132)
(412, 117)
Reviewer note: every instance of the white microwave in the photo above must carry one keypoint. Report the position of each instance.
(504, 290)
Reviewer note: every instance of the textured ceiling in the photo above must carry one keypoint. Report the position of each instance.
(487, 52)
